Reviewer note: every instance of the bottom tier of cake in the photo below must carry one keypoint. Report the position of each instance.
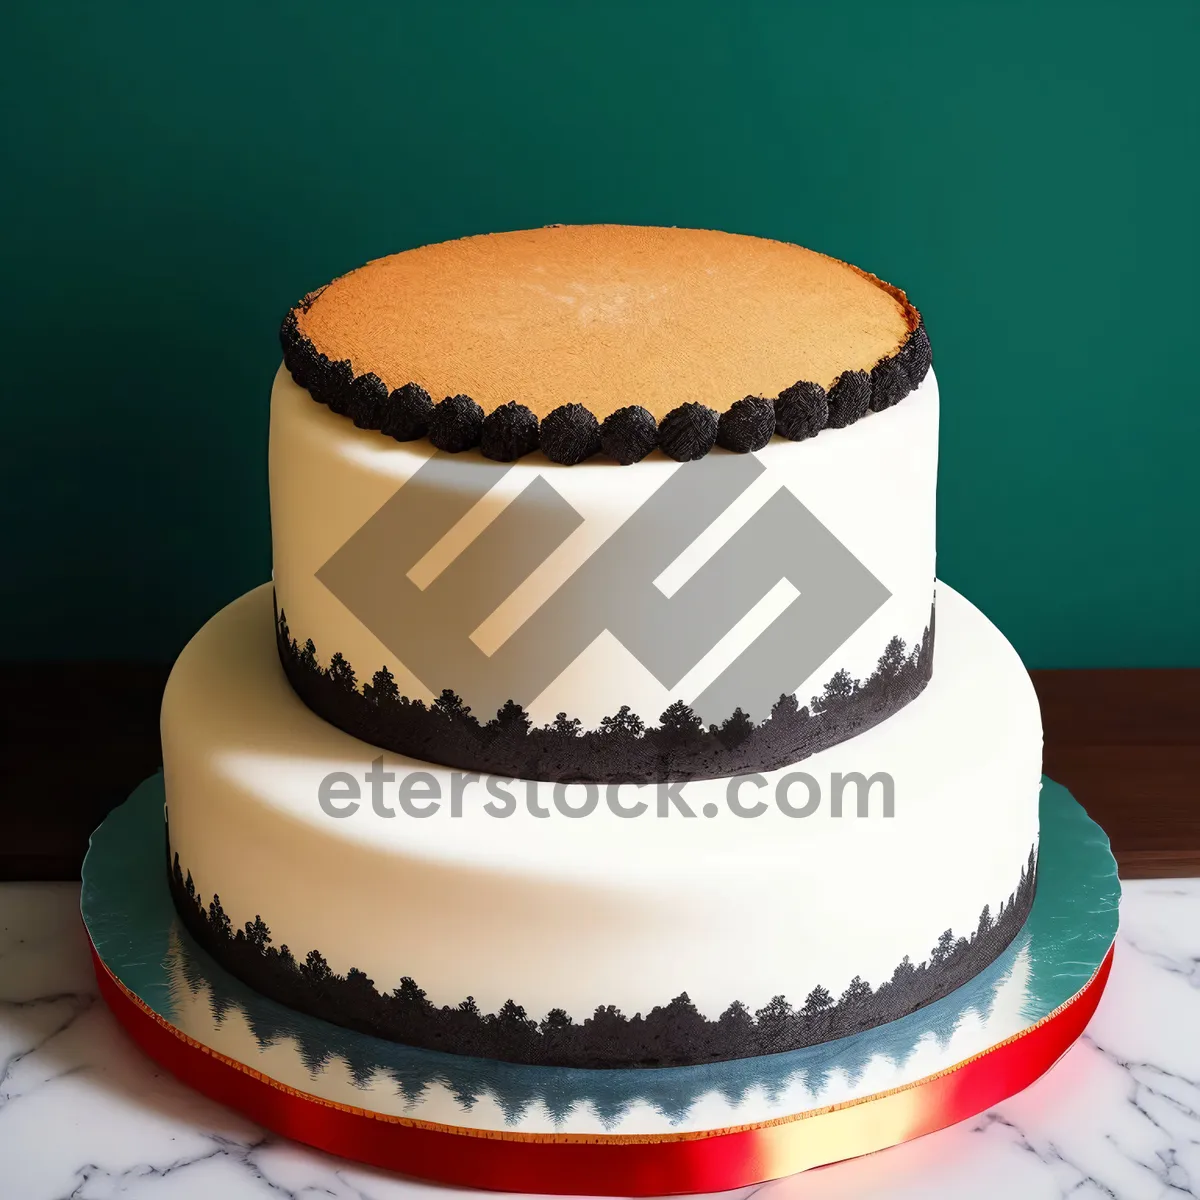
(601, 926)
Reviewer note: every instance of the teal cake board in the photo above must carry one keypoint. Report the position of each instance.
(1061, 953)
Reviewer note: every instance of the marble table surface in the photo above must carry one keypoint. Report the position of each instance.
(84, 1115)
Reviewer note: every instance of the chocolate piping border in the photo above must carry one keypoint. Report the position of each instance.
(675, 1034)
(623, 748)
(366, 401)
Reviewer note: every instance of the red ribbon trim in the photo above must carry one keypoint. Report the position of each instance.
(614, 1165)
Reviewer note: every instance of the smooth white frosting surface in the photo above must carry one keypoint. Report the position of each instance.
(574, 913)
(871, 485)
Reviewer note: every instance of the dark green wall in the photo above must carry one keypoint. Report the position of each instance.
(176, 175)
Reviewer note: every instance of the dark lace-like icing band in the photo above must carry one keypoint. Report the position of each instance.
(623, 748)
(673, 1034)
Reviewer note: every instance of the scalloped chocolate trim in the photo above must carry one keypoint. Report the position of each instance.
(849, 399)
(456, 424)
(509, 432)
(746, 425)
(629, 434)
(623, 748)
(675, 1034)
(571, 434)
(409, 411)
(916, 355)
(368, 401)
(688, 432)
(889, 384)
(801, 411)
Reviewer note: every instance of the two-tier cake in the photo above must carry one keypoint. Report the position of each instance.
(595, 716)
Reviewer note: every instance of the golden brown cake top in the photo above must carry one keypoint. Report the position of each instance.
(607, 316)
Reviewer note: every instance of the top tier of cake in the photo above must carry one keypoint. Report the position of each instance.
(475, 581)
(575, 338)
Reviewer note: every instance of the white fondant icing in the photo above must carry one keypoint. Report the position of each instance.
(872, 485)
(573, 913)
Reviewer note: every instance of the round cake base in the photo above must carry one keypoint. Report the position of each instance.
(512, 1127)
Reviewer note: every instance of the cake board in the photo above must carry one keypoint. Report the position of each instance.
(644, 1131)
